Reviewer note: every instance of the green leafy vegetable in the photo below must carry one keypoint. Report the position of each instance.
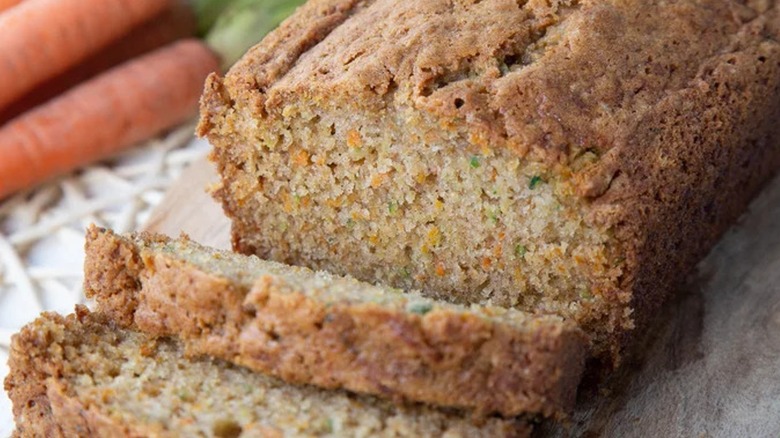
(520, 250)
(474, 162)
(207, 12)
(535, 181)
(243, 23)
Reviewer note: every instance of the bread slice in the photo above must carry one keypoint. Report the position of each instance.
(81, 376)
(335, 332)
(573, 157)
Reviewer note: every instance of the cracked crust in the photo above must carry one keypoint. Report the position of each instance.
(559, 77)
(678, 100)
(268, 317)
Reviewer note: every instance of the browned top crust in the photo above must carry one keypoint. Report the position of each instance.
(559, 77)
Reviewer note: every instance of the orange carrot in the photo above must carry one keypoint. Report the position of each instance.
(40, 39)
(8, 4)
(173, 24)
(127, 104)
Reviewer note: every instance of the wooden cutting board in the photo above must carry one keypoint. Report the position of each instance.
(711, 367)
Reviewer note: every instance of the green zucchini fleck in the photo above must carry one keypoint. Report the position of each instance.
(420, 308)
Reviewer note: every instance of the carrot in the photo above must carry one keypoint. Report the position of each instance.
(173, 24)
(8, 4)
(40, 39)
(92, 121)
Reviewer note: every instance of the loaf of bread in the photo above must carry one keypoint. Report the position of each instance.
(563, 157)
(81, 376)
(335, 332)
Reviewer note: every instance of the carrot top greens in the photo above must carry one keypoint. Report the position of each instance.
(231, 27)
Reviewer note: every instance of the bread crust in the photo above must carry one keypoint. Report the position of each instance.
(678, 100)
(447, 358)
(42, 406)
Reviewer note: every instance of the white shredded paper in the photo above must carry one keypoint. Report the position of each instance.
(42, 231)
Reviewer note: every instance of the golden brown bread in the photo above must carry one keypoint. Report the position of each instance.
(567, 157)
(335, 332)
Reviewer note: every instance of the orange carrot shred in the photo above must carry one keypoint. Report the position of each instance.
(42, 38)
(127, 104)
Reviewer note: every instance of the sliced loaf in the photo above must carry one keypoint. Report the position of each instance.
(81, 376)
(335, 332)
(568, 156)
